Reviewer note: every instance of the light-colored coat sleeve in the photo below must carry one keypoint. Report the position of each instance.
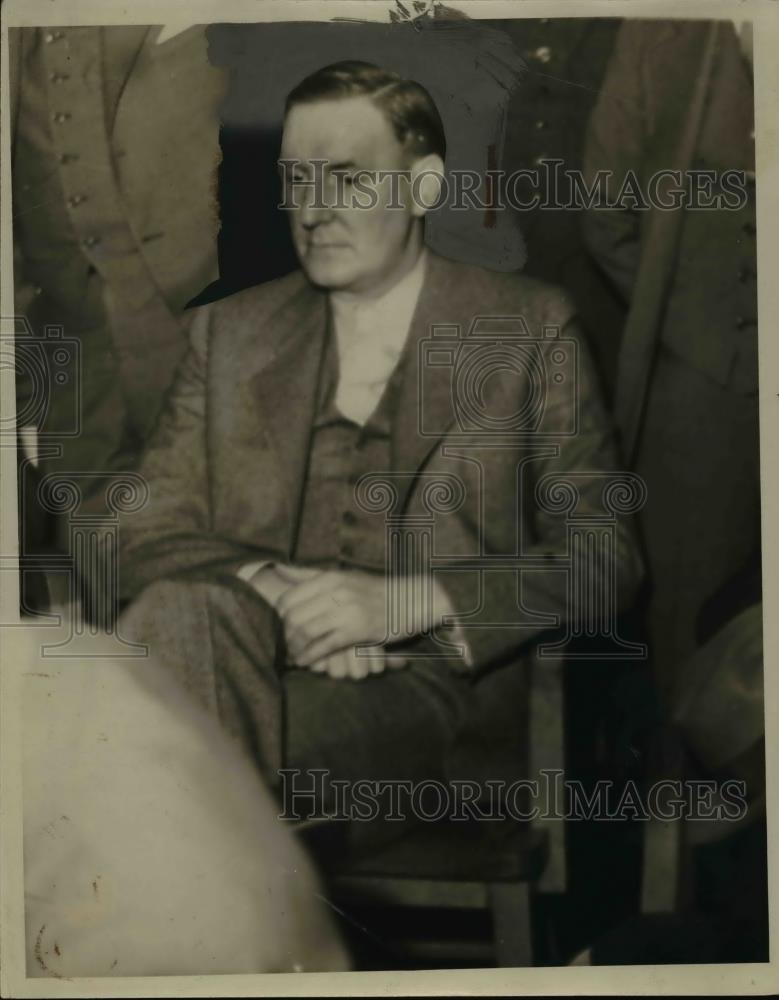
(151, 845)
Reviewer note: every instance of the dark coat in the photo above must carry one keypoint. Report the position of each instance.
(710, 319)
(695, 441)
(565, 61)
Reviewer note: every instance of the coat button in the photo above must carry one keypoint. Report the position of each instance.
(76, 199)
(543, 54)
(349, 517)
(742, 322)
(61, 116)
(90, 241)
(53, 36)
(750, 228)
(67, 157)
(347, 551)
(58, 77)
(744, 274)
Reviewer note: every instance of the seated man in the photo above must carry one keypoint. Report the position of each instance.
(304, 404)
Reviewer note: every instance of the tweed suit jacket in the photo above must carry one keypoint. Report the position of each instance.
(226, 465)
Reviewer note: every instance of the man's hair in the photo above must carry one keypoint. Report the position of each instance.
(408, 107)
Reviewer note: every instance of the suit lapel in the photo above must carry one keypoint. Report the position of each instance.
(285, 389)
(282, 383)
(424, 409)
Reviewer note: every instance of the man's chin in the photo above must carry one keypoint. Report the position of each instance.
(331, 277)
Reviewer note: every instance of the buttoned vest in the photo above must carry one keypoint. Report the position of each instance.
(334, 529)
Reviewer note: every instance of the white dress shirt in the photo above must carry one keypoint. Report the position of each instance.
(371, 334)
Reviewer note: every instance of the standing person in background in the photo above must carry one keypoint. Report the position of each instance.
(690, 279)
(565, 62)
(115, 146)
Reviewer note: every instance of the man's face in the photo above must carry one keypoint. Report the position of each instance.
(349, 248)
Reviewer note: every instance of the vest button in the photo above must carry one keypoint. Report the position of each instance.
(349, 517)
(76, 199)
(347, 551)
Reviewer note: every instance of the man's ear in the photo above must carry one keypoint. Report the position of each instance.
(427, 184)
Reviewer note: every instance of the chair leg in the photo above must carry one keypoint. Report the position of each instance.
(512, 931)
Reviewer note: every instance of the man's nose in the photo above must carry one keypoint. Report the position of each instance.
(314, 213)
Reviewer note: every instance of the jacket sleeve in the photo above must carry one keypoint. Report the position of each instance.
(615, 144)
(172, 533)
(579, 484)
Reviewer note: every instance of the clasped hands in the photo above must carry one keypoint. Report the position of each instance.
(326, 613)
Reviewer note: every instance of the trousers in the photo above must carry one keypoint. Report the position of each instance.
(225, 645)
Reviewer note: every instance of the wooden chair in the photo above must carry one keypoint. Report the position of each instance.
(457, 865)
